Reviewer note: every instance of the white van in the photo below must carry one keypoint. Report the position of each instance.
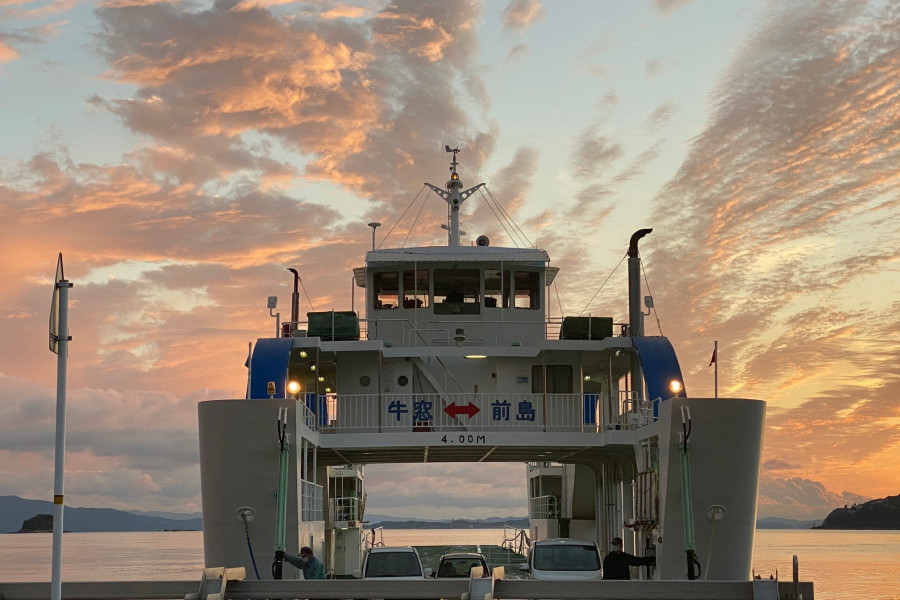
(563, 559)
(396, 563)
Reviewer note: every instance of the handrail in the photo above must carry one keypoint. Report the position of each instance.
(552, 326)
(515, 540)
(456, 413)
(377, 535)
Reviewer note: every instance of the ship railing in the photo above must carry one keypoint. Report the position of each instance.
(540, 464)
(544, 507)
(310, 501)
(440, 333)
(552, 327)
(415, 333)
(306, 415)
(441, 412)
(344, 509)
(515, 540)
(374, 538)
(635, 412)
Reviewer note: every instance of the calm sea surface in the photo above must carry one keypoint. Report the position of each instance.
(844, 565)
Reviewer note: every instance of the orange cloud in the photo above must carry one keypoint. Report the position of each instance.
(7, 53)
(519, 15)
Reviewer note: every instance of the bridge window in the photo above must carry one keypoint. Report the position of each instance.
(415, 289)
(457, 285)
(496, 288)
(387, 290)
(528, 289)
(457, 291)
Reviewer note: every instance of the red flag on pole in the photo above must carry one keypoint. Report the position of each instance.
(713, 359)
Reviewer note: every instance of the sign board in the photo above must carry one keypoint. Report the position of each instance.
(54, 308)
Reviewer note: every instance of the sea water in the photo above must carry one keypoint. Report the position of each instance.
(843, 565)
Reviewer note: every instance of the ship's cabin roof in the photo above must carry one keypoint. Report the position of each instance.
(429, 256)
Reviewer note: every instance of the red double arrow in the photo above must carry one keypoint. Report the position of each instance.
(454, 411)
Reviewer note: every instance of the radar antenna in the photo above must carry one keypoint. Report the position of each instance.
(454, 195)
(453, 164)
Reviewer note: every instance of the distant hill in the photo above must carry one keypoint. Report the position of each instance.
(15, 510)
(167, 515)
(522, 523)
(780, 523)
(373, 518)
(883, 513)
(490, 523)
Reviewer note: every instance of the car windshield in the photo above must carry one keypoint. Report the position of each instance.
(567, 557)
(393, 564)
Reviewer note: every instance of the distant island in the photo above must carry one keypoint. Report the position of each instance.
(883, 513)
(37, 524)
(22, 515)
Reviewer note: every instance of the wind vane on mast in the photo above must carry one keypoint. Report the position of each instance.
(454, 197)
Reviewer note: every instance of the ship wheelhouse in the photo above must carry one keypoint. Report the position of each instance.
(421, 296)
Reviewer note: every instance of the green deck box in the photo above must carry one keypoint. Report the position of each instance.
(333, 325)
(586, 328)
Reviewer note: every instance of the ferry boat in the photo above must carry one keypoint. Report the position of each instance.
(454, 358)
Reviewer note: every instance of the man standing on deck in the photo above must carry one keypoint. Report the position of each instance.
(310, 565)
(617, 564)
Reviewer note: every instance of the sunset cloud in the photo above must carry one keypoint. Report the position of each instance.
(790, 163)
(801, 499)
(666, 7)
(519, 15)
(235, 139)
(7, 52)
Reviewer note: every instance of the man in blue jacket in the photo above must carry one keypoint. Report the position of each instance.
(310, 565)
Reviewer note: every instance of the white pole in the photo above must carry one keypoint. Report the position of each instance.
(60, 463)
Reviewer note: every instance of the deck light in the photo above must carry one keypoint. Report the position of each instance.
(303, 354)
(321, 378)
(675, 386)
(293, 387)
(312, 367)
(475, 356)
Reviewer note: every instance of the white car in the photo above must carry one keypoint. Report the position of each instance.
(563, 559)
(395, 563)
(460, 564)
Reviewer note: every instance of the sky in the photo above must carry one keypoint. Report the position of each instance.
(182, 155)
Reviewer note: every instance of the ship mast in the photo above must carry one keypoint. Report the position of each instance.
(454, 195)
